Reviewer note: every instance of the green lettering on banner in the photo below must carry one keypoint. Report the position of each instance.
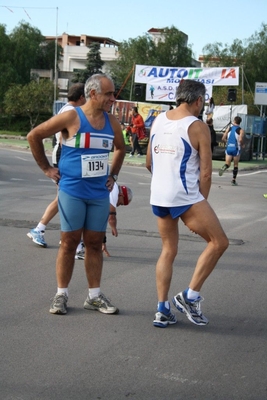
(194, 73)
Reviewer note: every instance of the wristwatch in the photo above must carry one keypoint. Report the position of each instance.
(115, 177)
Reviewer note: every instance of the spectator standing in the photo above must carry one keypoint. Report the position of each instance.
(137, 132)
(213, 138)
(179, 158)
(126, 135)
(85, 181)
(210, 108)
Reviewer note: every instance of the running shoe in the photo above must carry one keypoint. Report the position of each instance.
(233, 183)
(37, 237)
(162, 320)
(222, 170)
(59, 304)
(79, 255)
(265, 196)
(80, 252)
(100, 303)
(191, 308)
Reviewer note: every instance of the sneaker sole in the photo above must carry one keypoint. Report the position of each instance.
(34, 241)
(163, 324)
(180, 307)
(79, 258)
(58, 312)
(159, 324)
(103, 311)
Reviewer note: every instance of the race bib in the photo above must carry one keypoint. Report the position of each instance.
(94, 165)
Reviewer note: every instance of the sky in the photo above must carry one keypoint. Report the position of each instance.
(203, 21)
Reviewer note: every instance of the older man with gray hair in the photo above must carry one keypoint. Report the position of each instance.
(179, 158)
(85, 181)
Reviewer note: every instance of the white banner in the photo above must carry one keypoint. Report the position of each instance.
(218, 76)
(166, 93)
(224, 114)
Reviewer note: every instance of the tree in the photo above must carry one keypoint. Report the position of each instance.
(46, 55)
(8, 68)
(30, 99)
(171, 50)
(131, 52)
(93, 64)
(255, 59)
(250, 55)
(25, 48)
(25, 42)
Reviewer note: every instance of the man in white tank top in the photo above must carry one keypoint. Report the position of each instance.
(75, 99)
(179, 158)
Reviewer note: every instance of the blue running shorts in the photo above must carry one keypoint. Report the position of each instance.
(78, 213)
(232, 151)
(174, 212)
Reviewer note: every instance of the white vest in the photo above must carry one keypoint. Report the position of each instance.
(175, 163)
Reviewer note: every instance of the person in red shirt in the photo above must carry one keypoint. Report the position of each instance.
(137, 132)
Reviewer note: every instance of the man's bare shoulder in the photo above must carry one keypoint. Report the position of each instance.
(199, 125)
(113, 120)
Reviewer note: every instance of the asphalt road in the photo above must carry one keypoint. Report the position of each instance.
(87, 355)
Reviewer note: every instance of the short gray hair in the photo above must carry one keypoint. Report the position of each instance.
(189, 91)
(94, 83)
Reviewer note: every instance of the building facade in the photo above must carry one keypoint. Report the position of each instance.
(75, 50)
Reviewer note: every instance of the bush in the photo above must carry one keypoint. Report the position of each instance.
(19, 123)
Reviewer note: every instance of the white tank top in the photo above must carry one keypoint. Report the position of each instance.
(175, 163)
(66, 107)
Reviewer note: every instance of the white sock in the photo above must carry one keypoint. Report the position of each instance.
(40, 227)
(63, 291)
(95, 292)
(192, 294)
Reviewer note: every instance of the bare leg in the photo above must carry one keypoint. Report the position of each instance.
(168, 230)
(236, 161)
(201, 219)
(65, 258)
(50, 211)
(93, 260)
(228, 160)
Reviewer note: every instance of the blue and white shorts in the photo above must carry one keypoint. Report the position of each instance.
(174, 212)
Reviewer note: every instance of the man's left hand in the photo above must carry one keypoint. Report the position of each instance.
(110, 183)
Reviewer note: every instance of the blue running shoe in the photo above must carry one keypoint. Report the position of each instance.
(191, 308)
(162, 320)
(37, 237)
